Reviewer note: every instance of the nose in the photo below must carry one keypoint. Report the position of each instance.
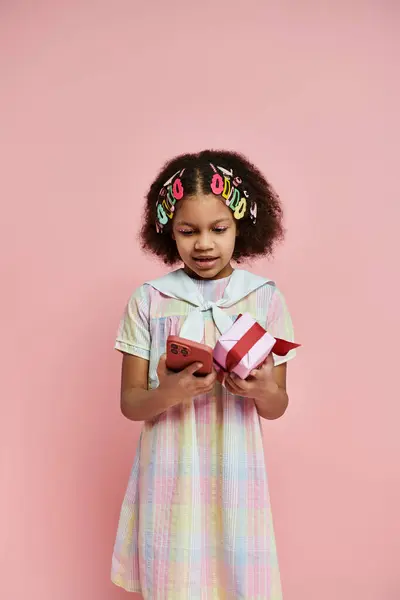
(204, 241)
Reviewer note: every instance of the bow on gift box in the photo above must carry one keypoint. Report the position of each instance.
(255, 340)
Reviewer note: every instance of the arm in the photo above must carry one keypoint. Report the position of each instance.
(274, 402)
(138, 403)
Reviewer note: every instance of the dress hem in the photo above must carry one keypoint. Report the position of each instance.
(134, 589)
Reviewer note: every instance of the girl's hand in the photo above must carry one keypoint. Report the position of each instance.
(182, 386)
(258, 384)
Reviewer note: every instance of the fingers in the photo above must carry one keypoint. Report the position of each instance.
(203, 385)
(191, 369)
(232, 388)
(209, 381)
(197, 385)
(242, 387)
(255, 373)
(211, 378)
(267, 365)
(238, 383)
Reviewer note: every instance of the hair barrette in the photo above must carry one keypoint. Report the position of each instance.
(223, 183)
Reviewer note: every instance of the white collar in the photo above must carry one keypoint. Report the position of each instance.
(180, 286)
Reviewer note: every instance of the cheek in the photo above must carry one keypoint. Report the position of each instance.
(232, 234)
(231, 239)
(183, 244)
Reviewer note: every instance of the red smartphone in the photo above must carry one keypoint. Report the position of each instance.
(182, 352)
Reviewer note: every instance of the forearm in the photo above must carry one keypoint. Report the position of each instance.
(138, 404)
(273, 403)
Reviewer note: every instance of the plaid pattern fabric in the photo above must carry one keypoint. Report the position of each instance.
(196, 521)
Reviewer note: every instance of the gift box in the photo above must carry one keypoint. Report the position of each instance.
(245, 346)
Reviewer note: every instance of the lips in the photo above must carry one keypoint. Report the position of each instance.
(204, 257)
(205, 261)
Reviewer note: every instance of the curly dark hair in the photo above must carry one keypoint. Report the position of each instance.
(252, 241)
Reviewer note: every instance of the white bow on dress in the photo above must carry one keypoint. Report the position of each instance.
(180, 286)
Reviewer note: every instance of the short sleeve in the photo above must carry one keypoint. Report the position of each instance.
(133, 335)
(279, 324)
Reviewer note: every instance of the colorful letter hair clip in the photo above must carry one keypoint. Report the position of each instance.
(223, 184)
(171, 192)
(230, 188)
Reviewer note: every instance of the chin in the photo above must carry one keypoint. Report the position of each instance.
(216, 272)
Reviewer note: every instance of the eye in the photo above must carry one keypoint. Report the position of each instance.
(185, 231)
(220, 229)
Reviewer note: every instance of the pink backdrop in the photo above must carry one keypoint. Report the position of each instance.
(94, 96)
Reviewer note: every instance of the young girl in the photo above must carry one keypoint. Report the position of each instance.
(196, 519)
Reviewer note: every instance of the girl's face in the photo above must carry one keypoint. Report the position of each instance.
(205, 232)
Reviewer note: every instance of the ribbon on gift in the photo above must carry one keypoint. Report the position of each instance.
(282, 347)
(245, 344)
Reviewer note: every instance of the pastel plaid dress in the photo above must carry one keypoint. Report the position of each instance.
(196, 520)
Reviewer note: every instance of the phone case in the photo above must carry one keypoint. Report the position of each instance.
(182, 352)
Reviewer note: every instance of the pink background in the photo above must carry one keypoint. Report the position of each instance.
(94, 97)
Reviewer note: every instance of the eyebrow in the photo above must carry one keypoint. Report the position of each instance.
(181, 223)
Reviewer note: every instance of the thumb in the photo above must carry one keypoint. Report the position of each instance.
(269, 361)
(191, 369)
(162, 363)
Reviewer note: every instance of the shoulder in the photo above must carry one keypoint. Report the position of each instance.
(244, 278)
(148, 300)
(139, 301)
(254, 284)
(140, 294)
(267, 296)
